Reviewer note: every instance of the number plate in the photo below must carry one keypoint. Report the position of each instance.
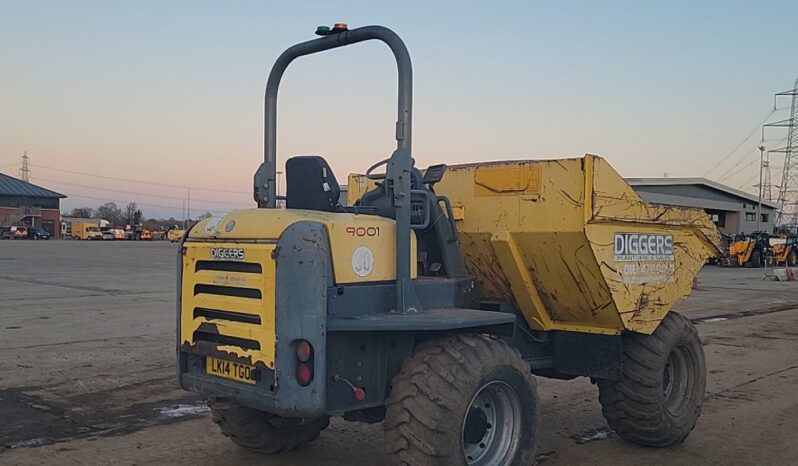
(230, 370)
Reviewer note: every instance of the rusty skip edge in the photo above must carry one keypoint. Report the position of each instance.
(696, 221)
(642, 213)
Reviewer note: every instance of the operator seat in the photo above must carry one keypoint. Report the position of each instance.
(311, 184)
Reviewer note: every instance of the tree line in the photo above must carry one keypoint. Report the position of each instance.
(126, 215)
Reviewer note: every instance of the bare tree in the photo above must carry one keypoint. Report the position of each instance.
(82, 212)
(130, 213)
(109, 211)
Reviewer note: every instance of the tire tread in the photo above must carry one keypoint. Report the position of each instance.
(263, 432)
(428, 390)
(633, 404)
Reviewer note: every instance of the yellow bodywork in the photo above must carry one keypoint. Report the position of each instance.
(256, 232)
(82, 230)
(263, 307)
(741, 251)
(780, 251)
(543, 234)
(175, 234)
(784, 252)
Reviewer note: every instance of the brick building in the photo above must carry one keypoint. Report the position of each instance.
(24, 203)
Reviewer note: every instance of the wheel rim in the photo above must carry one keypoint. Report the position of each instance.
(677, 379)
(492, 425)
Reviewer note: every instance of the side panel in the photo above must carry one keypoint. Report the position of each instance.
(587, 354)
(298, 265)
(648, 275)
(644, 290)
(367, 360)
(304, 273)
(364, 249)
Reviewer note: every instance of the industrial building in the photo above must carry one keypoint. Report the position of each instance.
(23, 203)
(732, 210)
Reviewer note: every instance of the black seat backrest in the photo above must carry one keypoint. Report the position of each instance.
(310, 184)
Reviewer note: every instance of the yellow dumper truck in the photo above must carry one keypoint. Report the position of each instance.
(435, 301)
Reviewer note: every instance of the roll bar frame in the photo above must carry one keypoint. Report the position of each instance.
(400, 164)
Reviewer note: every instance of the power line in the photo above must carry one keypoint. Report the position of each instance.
(726, 173)
(729, 175)
(739, 170)
(731, 172)
(151, 183)
(119, 201)
(740, 144)
(237, 204)
(129, 167)
(749, 180)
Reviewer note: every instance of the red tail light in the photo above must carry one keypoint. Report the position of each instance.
(304, 375)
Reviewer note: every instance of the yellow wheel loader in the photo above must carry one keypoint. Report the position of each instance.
(433, 303)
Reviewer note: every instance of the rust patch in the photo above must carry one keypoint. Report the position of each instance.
(208, 327)
(204, 348)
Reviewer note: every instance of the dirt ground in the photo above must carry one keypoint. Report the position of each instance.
(87, 372)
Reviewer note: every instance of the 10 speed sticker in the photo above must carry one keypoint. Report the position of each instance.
(362, 261)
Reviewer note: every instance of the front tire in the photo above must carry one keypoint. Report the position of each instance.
(658, 398)
(463, 400)
(264, 432)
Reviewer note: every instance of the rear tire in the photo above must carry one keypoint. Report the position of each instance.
(463, 400)
(263, 432)
(658, 398)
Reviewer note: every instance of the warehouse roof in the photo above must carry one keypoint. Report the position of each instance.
(10, 186)
(634, 182)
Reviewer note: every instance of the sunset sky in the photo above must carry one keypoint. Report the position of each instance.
(171, 93)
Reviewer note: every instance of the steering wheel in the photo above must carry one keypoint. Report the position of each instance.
(376, 176)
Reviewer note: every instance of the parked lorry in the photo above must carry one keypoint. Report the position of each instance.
(86, 230)
(434, 302)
